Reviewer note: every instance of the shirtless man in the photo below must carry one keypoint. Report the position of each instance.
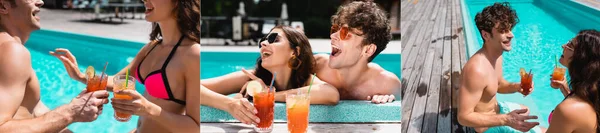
(354, 45)
(21, 109)
(482, 78)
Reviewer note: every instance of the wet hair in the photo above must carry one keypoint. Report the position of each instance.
(300, 75)
(584, 69)
(187, 14)
(368, 17)
(499, 13)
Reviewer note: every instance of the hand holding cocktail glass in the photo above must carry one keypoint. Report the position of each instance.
(264, 101)
(526, 82)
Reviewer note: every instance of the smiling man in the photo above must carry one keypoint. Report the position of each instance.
(482, 78)
(359, 33)
(21, 109)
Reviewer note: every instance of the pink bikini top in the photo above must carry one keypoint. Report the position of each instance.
(156, 82)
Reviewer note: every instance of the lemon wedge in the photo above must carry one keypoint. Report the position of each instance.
(253, 87)
(522, 72)
(89, 72)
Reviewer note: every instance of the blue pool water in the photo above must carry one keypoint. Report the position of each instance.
(544, 26)
(57, 88)
(216, 64)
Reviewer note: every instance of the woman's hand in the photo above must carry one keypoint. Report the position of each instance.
(137, 105)
(241, 109)
(65, 56)
(253, 78)
(557, 84)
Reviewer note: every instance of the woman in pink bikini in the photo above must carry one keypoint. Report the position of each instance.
(168, 67)
(580, 111)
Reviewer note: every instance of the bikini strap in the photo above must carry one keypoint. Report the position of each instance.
(172, 53)
(140, 64)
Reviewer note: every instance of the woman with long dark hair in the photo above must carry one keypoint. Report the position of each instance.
(580, 110)
(168, 67)
(284, 51)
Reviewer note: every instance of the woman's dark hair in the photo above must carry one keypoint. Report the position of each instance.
(304, 60)
(584, 69)
(187, 14)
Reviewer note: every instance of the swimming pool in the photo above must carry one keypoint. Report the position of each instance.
(58, 89)
(544, 26)
(216, 64)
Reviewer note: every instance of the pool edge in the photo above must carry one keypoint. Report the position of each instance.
(469, 36)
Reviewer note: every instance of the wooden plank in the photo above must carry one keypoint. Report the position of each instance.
(456, 68)
(431, 121)
(428, 10)
(406, 51)
(444, 120)
(418, 112)
(312, 127)
(422, 6)
(409, 32)
(415, 68)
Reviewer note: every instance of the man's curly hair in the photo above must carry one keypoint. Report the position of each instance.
(370, 19)
(499, 13)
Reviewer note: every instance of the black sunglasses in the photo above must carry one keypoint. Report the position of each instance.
(270, 38)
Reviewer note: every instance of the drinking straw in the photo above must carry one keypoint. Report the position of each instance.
(555, 61)
(272, 81)
(102, 74)
(310, 86)
(126, 78)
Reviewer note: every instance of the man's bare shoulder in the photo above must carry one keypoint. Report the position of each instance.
(13, 51)
(476, 66)
(15, 63)
(321, 61)
(385, 79)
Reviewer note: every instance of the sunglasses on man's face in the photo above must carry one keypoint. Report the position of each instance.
(270, 39)
(343, 31)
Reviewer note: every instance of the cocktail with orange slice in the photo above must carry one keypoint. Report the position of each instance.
(298, 108)
(526, 81)
(264, 102)
(95, 81)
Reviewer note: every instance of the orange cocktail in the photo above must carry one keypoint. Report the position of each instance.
(94, 83)
(264, 102)
(298, 108)
(526, 81)
(558, 74)
(123, 82)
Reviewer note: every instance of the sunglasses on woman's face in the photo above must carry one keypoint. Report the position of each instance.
(568, 46)
(270, 39)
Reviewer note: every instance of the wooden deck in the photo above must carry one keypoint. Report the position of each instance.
(591, 3)
(433, 53)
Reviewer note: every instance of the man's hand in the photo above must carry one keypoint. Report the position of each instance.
(381, 98)
(516, 119)
(85, 107)
(526, 92)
